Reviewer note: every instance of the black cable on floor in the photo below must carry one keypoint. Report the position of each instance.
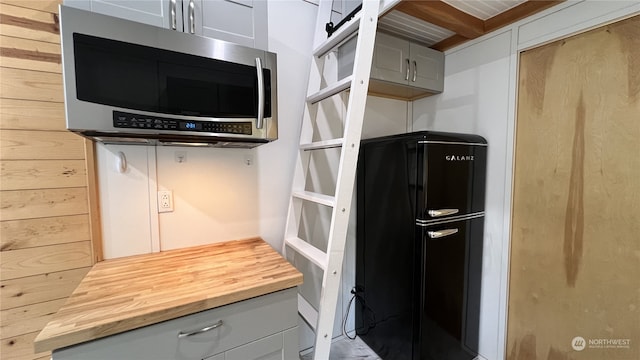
(372, 320)
(344, 321)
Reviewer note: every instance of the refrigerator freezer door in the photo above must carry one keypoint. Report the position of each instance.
(452, 179)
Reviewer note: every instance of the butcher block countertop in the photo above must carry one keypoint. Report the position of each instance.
(127, 293)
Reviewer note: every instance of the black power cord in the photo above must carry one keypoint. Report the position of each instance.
(372, 322)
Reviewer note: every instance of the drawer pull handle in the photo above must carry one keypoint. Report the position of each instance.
(203, 330)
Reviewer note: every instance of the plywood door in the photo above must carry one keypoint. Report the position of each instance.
(575, 242)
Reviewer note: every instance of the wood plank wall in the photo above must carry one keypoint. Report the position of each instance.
(575, 242)
(45, 230)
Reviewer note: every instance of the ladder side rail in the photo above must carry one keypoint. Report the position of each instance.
(325, 8)
(346, 178)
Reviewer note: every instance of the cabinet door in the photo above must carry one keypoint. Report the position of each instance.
(268, 348)
(390, 59)
(216, 357)
(242, 22)
(427, 67)
(152, 12)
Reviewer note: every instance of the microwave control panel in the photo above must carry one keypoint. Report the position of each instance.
(138, 121)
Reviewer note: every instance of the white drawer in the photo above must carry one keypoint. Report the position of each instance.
(239, 323)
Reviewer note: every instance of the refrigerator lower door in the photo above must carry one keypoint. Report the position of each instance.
(449, 305)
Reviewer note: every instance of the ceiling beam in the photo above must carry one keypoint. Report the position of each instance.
(510, 16)
(449, 42)
(443, 15)
(519, 12)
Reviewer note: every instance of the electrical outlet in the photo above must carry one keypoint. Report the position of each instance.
(165, 201)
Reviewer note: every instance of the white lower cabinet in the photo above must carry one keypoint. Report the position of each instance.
(281, 346)
(263, 327)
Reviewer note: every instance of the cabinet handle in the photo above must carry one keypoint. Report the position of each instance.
(192, 17)
(172, 12)
(260, 117)
(203, 330)
(415, 70)
(441, 233)
(406, 75)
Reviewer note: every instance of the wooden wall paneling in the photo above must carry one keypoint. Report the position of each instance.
(29, 233)
(45, 234)
(30, 204)
(93, 195)
(30, 24)
(30, 54)
(40, 5)
(38, 174)
(45, 259)
(30, 85)
(39, 288)
(27, 319)
(30, 145)
(576, 201)
(18, 114)
(20, 347)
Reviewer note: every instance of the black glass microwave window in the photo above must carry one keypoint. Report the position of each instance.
(138, 77)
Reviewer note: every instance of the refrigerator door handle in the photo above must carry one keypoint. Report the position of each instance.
(441, 233)
(442, 212)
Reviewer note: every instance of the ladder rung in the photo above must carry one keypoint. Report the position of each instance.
(326, 144)
(329, 91)
(309, 251)
(315, 197)
(343, 34)
(309, 314)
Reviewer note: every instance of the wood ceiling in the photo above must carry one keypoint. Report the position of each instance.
(459, 26)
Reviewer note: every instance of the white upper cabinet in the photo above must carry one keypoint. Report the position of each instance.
(391, 59)
(401, 69)
(408, 63)
(427, 67)
(242, 22)
(152, 12)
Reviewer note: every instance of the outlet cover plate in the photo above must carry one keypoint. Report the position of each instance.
(165, 201)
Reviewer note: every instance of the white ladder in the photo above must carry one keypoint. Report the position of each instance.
(363, 25)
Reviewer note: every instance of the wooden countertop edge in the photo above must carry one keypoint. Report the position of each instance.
(112, 328)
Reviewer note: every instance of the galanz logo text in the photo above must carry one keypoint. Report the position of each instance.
(459, 157)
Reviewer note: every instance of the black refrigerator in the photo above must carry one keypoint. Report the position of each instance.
(419, 236)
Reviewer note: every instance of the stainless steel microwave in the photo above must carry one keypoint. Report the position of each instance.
(132, 83)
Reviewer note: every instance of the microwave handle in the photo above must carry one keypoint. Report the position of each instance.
(260, 118)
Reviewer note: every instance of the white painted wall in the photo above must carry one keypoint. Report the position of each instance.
(217, 196)
(479, 97)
